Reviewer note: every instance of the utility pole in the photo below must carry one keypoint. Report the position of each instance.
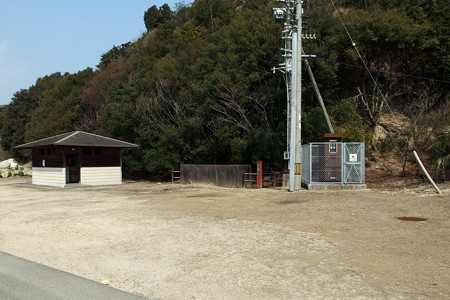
(298, 117)
(293, 118)
(318, 95)
(292, 13)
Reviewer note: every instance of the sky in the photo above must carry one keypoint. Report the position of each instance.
(38, 38)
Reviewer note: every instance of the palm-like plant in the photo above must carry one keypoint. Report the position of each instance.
(440, 149)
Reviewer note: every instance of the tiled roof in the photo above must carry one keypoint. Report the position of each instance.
(78, 138)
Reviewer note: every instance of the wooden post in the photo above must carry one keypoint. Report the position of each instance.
(259, 174)
(426, 173)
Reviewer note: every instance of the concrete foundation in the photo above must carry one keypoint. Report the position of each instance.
(333, 186)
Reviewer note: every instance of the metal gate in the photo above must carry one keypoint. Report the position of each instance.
(353, 166)
(333, 163)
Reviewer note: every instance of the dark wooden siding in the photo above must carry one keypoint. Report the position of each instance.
(101, 157)
(55, 157)
(221, 175)
(52, 156)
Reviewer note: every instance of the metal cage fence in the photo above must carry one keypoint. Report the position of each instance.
(332, 162)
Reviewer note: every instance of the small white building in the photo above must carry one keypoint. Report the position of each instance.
(77, 157)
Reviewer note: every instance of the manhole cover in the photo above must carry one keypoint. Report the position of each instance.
(416, 219)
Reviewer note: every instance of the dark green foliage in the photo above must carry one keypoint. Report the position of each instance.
(113, 54)
(155, 16)
(313, 125)
(440, 149)
(119, 111)
(165, 13)
(18, 113)
(198, 87)
(59, 107)
(205, 12)
(3, 109)
(15, 117)
(151, 18)
(348, 121)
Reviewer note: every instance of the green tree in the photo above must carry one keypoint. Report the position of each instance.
(114, 53)
(59, 107)
(17, 114)
(204, 12)
(198, 86)
(155, 16)
(151, 17)
(165, 13)
(348, 121)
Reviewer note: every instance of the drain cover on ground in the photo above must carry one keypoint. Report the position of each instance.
(416, 219)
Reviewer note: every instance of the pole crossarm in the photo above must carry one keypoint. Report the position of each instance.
(292, 13)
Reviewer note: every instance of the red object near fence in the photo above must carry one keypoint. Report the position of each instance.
(259, 174)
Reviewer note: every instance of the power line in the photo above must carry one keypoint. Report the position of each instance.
(386, 72)
(383, 97)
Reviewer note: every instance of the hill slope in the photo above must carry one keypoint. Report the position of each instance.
(198, 87)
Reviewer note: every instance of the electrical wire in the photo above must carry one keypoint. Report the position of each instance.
(387, 104)
(383, 97)
(386, 72)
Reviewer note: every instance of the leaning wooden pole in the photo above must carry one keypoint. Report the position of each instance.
(426, 173)
(318, 95)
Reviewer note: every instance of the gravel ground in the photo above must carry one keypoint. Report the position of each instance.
(204, 242)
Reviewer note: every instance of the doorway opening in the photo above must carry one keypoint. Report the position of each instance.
(72, 168)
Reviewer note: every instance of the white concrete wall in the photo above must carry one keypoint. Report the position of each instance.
(101, 175)
(49, 176)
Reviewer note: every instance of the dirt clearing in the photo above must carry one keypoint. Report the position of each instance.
(203, 242)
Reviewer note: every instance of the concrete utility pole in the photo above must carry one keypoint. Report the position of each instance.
(293, 118)
(292, 14)
(318, 95)
(298, 98)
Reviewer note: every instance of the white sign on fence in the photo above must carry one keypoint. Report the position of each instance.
(353, 157)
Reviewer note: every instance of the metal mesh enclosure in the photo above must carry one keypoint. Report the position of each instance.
(306, 165)
(221, 175)
(333, 163)
(354, 157)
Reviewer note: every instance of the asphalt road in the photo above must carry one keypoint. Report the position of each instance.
(23, 279)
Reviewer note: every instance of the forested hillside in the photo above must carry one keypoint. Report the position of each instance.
(198, 86)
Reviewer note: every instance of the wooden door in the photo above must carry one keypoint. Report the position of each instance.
(73, 168)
